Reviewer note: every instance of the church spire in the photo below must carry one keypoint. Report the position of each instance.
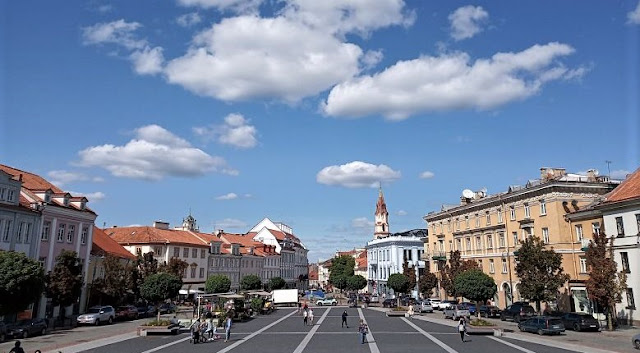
(381, 228)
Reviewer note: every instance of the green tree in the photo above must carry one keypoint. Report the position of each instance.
(339, 281)
(449, 272)
(217, 284)
(427, 282)
(175, 266)
(64, 282)
(604, 285)
(399, 283)
(21, 281)
(356, 283)
(540, 271)
(410, 273)
(112, 285)
(341, 269)
(475, 285)
(277, 283)
(250, 282)
(160, 287)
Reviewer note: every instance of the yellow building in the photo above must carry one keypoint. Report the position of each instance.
(488, 228)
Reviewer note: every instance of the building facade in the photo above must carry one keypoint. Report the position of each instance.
(488, 229)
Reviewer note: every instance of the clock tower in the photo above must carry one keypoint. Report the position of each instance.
(381, 229)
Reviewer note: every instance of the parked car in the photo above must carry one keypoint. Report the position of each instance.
(3, 331)
(517, 312)
(127, 312)
(470, 306)
(489, 311)
(97, 315)
(27, 328)
(406, 301)
(389, 303)
(447, 304)
(635, 340)
(374, 299)
(580, 322)
(542, 325)
(456, 311)
(146, 310)
(167, 308)
(424, 306)
(327, 301)
(435, 303)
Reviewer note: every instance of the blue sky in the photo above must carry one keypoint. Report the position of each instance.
(295, 110)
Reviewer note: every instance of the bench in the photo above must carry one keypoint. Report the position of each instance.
(392, 313)
(158, 330)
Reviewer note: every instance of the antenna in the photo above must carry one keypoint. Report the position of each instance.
(608, 168)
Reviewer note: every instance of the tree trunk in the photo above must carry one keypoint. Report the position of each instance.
(158, 313)
(609, 319)
(538, 307)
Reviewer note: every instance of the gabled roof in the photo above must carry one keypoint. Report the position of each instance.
(102, 243)
(29, 180)
(628, 189)
(151, 235)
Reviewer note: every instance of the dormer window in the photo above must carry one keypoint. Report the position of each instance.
(65, 201)
(47, 196)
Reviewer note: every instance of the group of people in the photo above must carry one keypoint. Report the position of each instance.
(17, 348)
(307, 315)
(206, 327)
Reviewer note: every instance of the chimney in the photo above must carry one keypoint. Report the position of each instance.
(592, 175)
(160, 225)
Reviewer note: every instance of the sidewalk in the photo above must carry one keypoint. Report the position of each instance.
(587, 342)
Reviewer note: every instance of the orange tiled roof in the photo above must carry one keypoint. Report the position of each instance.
(628, 189)
(151, 235)
(102, 242)
(31, 181)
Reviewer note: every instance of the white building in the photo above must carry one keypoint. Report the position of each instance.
(387, 252)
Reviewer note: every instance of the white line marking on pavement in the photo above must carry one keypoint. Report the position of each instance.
(511, 345)
(429, 336)
(166, 345)
(309, 335)
(234, 345)
(373, 346)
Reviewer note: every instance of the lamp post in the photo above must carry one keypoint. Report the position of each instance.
(508, 256)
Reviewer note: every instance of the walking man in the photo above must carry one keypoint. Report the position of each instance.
(363, 330)
(461, 328)
(227, 329)
(305, 317)
(310, 317)
(344, 319)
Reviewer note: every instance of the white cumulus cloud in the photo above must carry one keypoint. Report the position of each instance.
(235, 132)
(229, 196)
(188, 19)
(152, 155)
(426, 175)
(633, 17)
(450, 82)
(91, 196)
(362, 223)
(240, 6)
(117, 32)
(356, 175)
(147, 61)
(62, 177)
(466, 21)
(230, 223)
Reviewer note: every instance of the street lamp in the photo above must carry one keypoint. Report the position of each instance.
(510, 293)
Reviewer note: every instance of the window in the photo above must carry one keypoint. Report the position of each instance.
(202, 272)
(459, 244)
(184, 273)
(194, 253)
(579, 234)
(6, 230)
(138, 251)
(176, 251)
(477, 220)
(631, 303)
(527, 232)
(583, 264)
(638, 221)
(193, 272)
(489, 241)
(20, 231)
(83, 236)
(202, 253)
(466, 221)
(543, 207)
(501, 240)
(620, 226)
(478, 243)
(488, 215)
(71, 233)
(157, 250)
(527, 211)
(545, 235)
(185, 253)
(2, 192)
(595, 227)
(625, 261)
(492, 268)
(27, 233)
(42, 261)
(61, 229)
(468, 244)
(515, 238)
(10, 195)
(512, 213)
(500, 220)
(46, 229)
(457, 223)
(504, 265)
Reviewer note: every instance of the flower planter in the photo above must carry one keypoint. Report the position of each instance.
(144, 330)
(392, 313)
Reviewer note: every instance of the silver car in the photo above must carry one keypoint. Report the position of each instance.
(456, 311)
(97, 315)
(424, 306)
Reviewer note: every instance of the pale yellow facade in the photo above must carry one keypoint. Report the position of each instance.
(488, 228)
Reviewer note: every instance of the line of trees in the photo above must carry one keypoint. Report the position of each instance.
(341, 274)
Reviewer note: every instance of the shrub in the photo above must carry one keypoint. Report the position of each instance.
(161, 322)
(480, 322)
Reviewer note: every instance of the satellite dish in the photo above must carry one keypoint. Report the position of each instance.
(467, 194)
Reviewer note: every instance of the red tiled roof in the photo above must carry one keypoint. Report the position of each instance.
(102, 242)
(31, 181)
(628, 189)
(151, 235)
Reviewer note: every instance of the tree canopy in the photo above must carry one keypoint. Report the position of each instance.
(175, 266)
(21, 281)
(398, 282)
(250, 282)
(410, 273)
(159, 287)
(427, 282)
(356, 282)
(475, 285)
(114, 282)
(540, 271)
(340, 270)
(217, 284)
(277, 283)
(449, 272)
(64, 282)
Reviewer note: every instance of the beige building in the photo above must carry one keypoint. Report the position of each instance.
(488, 228)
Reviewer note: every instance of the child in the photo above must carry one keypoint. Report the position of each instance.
(310, 317)
(363, 330)
(462, 328)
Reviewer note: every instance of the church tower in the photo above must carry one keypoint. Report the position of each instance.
(381, 229)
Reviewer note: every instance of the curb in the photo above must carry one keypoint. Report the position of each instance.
(74, 348)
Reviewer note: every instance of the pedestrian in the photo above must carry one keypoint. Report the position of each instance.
(299, 306)
(363, 330)
(227, 329)
(305, 316)
(17, 348)
(310, 317)
(410, 311)
(344, 319)
(195, 330)
(210, 328)
(462, 328)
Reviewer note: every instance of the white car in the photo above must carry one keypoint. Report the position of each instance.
(424, 306)
(435, 303)
(456, 311)
(327, 301)
(97, 315)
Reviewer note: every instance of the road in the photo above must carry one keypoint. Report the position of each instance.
(284, 331)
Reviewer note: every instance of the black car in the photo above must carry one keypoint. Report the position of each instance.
(580, 322)
(390, 303)
(489, 311)
(27, 328)
(517, 312)
(542, 325)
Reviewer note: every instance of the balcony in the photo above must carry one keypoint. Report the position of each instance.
(439, 256)
(584, 244)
